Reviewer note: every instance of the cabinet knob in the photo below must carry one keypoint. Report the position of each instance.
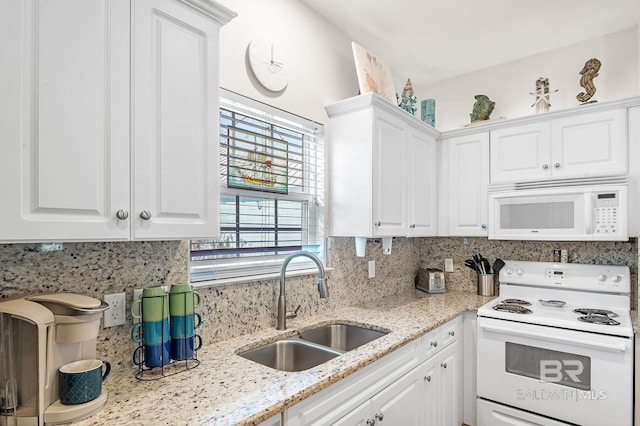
(452, 333)
(427, 378)
(434, 344)
(378, 223)
(483, 226)
(412, 226)
(557, 165)
(443, 365)
(371, 422)
(379, 416)
(145, 215)
(122, 214)
(545, 166)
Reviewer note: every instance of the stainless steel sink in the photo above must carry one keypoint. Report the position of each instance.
(343, 337)
(312, 347)
(290, 355)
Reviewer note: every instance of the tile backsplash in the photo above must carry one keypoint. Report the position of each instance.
(231, 310)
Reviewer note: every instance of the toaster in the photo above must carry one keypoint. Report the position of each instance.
(431, 280)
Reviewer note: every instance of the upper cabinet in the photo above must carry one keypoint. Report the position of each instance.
(109, 119)
(574, 146)
(466, 179)
(382, 170)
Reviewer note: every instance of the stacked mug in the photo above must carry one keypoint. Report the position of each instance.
(154, 311)
(184, 321)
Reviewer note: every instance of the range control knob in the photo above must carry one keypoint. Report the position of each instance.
(616, 278)
(520, 271)
(509, 271)
(602, 277)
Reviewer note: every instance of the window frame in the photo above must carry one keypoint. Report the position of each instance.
(271, 264)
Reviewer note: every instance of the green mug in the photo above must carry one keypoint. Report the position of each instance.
(155, 304)
(183, 299)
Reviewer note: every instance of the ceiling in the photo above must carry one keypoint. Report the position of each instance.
(432, 40)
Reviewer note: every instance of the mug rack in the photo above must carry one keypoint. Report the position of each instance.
(174, 366)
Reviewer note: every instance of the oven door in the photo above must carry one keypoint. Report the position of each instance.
(569, 375)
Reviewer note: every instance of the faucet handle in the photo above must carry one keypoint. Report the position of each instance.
(293, 314)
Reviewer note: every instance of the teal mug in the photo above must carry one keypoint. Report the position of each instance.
(185, 325)
(154, 304)
(81, 381)
(153, 332)
(183, 299)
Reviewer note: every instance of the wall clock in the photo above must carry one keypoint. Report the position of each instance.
(268, 64)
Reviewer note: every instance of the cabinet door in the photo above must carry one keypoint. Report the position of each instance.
(468, 179)
(64, 116)
(360, 416)
(592, 144)
(389, 175)
(398, 403)
(175, 99)
(449, 362)
(430, 405)
(520, 153)
(421, 184)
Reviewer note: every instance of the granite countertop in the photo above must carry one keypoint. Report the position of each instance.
(226, 389)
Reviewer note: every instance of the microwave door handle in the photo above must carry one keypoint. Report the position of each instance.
(542, 336)
(588, 220)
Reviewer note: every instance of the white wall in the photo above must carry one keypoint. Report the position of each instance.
(319, 56)
(509, 85)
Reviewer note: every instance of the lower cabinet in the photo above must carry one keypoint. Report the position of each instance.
(419, 384)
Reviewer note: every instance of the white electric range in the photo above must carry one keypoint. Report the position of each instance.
(556, 347)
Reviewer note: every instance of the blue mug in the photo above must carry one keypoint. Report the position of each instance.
(185, 325)
(153, 332)
(152, 355)
(81, 381)
(182, 349)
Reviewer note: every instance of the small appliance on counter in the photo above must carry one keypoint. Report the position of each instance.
(44, 332)
(431, 280)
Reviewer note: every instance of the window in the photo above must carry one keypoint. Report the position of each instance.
(271, 186)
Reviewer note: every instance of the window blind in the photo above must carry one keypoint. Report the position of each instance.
(272, 186)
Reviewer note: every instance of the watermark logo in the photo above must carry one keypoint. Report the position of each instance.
(554, 371)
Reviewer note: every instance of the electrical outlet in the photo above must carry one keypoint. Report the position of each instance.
(372, 269)
(115, 315)
(137, 294)
(448, 265)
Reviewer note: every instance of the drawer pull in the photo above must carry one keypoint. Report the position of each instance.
(434, 344)
(443, 365)
(452, 333)
(427, 378)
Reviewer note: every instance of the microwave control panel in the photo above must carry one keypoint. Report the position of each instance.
(606, 212)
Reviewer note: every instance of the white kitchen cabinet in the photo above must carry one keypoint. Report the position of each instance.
(382, 176)
(395, 405)
(394, 390)
(110, 119)
(634, 172)
(467, 178)
(422, 207)
(273, 421)
(574, 146)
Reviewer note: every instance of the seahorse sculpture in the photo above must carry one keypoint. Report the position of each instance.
(588, 72)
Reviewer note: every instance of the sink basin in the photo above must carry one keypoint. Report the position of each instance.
(290, 355)
(343, 337)
(312, 347)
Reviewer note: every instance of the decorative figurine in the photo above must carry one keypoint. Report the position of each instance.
(482, 108)
(408, 101)
(428, 111)
(588, 73)
(542, 102)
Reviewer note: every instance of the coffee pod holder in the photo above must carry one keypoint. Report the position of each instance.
(173, 366)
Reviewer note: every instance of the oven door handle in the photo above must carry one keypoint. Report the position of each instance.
(541, 336)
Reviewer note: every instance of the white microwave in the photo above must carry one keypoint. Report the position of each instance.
(564, 213)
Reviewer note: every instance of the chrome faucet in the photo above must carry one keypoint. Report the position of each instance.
(282, 304)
